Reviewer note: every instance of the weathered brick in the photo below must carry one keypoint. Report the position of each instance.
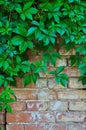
(31, 53)
(43, 94)
(77, 105)
(63, 51)
(15, 127)
(35, 127)
(72, 94)
(45, 117)
(46, 94)
(57, 106)
(34, 55)
(37, 106)
(2, 127)
(61, 62)
(74, 83)
(21, 117)
(26, 94)
(1, 88)
(19, 82)
(72, 71)
(81, 94)
(49, 105)
(41, 83)
(76, 126)
(2, 118)
(53, 95)
(31, 85)
(18, 106)
(71, 117)
(47, 75)
(57, 127)
(35, 58)
(53, 85)
(67, 94)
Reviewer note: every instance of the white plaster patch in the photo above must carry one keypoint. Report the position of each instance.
(30, 105)
(56, 105)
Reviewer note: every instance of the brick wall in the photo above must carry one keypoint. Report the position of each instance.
(2, 120)
(2, 117)
(47, 105)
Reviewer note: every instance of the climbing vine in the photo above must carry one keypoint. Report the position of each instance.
(36, 26)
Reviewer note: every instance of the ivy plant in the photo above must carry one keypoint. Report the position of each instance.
(37, 26)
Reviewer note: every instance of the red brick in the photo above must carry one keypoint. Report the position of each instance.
(19, 82)
(32, 85)
(2, 118)
(71, 117)
(15, 127)
(1, 88)
(18, 106)
(40, 83)
(46, 117)
(57, 127)
(26, 94)
(72, 71)
(34, 58)
(31, 53)
(20, 117)
(37, 106)
(35, 127)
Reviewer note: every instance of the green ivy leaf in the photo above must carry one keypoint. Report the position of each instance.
(82, 79)
(31, 30)
(25, 66)
(22, 31)
(27, 80)
(62, 78)
(17, 40)
(60, 69)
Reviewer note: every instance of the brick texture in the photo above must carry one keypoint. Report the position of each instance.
(35, 127)
(71, 117)
(47, 105)
(73, 83)
(57, 127)
(37, 105)
(18, 106)
(77, 105)
(15, 127)
(77, 126)
(21, 117)
(2, 118)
